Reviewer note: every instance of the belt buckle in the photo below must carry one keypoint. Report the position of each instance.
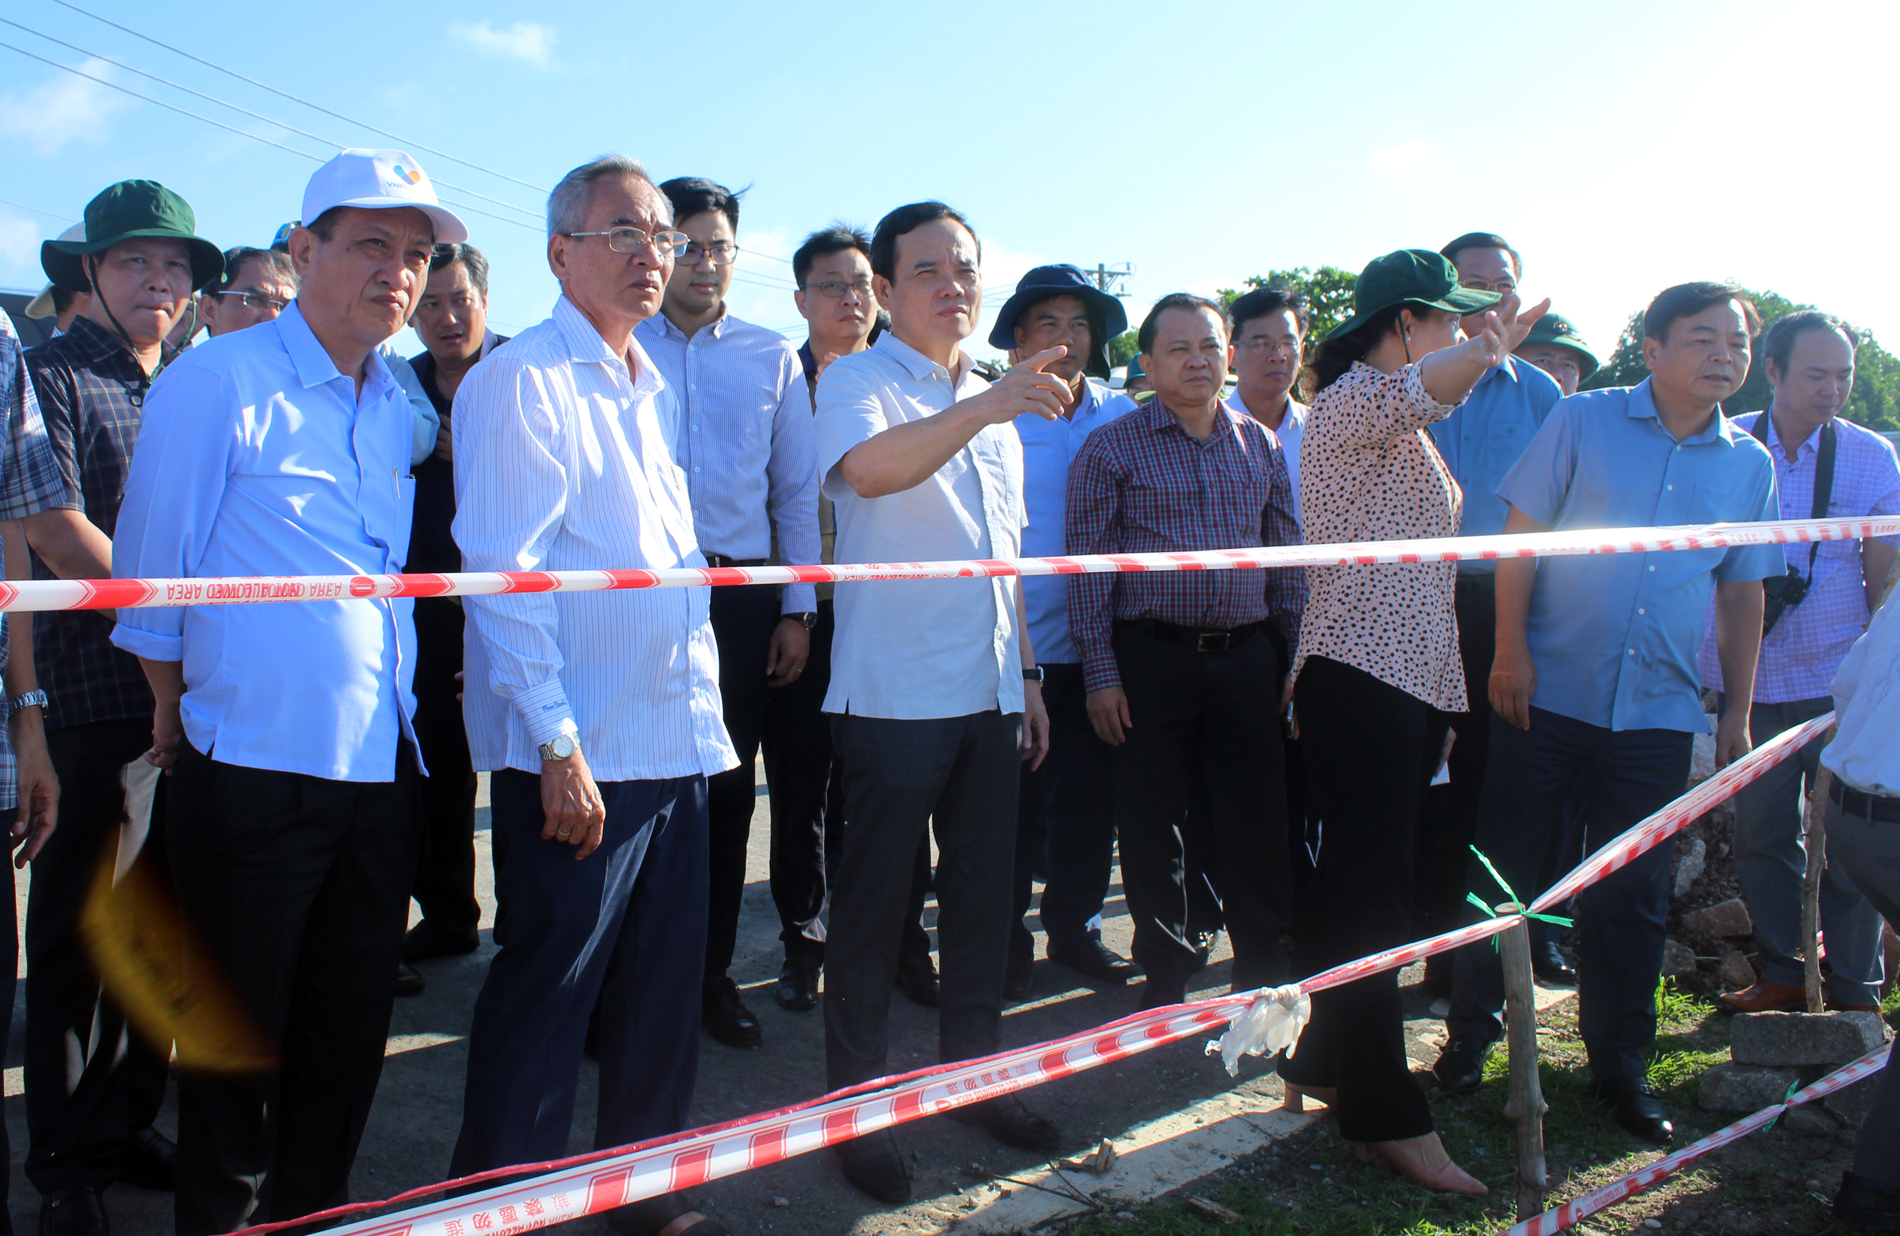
(1213, 641)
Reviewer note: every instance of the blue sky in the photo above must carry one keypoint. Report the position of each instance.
(1621, 146)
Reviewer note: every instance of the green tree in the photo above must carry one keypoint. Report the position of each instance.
(1328, 292)
(1875, 402)
(1122, 348)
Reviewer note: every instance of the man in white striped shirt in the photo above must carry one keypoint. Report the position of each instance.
(598, 713)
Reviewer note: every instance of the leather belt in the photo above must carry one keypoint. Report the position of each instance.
(1194, 639)
(720, 560)
(1883, 807)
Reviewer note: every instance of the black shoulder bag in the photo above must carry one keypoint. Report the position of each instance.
(1782, 595)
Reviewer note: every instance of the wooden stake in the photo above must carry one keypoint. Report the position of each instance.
(1526, 1105)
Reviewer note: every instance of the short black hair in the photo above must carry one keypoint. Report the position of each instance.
(1483, 240)
(1685, 300)
(1778, 344)
(1262, 301)
(695, 195)
(823, 243)
(902, 222)
(274, 261)
(1145, 337)
(471, 258)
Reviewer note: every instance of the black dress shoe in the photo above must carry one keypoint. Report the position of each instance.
(1635, 1107)
(409, 980)
(150, 1160)
(425, 940)
(1866, 1204)
(73, 1212)
(876, 1166)
(1019, 974)
(1010, 1121)
(918, 978)
(1093, 958)
(725, 1015)
(1548, 964)
(1460, 1067)
(797, 989)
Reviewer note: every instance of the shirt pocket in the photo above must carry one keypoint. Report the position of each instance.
(1712, 504)
(1504, 443)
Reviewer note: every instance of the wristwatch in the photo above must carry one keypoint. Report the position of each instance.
(31, 699)
(1032, 673)
(808, 618)
(561, 747)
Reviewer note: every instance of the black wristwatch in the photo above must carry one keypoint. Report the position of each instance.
(1032, 673)
(808, 618)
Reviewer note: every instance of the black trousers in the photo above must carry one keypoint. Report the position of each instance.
(90, 1078)
(958, 775)
(622, 928)
(1370, 750)
(1624, 775)
(445, 870)
(742, 623)
(1451, 811)
(296, 889)
(1065, 820)
(1222, 707)
(806, 797)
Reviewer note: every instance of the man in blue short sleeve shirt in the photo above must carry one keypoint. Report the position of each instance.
(1595, 677)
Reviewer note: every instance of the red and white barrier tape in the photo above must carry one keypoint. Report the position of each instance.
(589, 1184)
(146, 593)
(1561, 1217)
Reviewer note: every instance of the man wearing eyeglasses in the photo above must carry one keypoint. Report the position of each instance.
(598, 714)
(257, 284)
(752, 473)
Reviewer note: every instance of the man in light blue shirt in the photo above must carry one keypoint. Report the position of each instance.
(1065, 820)
(748, 457)
(1594, 682)
(284, 449)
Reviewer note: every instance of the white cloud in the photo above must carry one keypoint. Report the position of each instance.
(19, 242)
(63, 109)
(1403, 156)
(525, 40)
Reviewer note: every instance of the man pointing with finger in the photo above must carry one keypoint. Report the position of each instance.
(935, 694)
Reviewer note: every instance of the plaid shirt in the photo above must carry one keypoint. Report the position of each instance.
(1799, 657)
(91, 390)
(1142, 485)
(29, 483)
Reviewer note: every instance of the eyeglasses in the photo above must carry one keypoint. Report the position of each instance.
(1503, 287)
(721, 252)
(836, 288)
(257, 300)
(633, 239)
(1260, 345)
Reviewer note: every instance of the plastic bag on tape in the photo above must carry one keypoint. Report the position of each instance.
(1271, 1024)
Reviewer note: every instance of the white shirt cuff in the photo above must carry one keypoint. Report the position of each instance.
(544, 710)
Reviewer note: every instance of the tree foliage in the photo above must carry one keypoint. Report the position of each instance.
(1328, 292)
(1122, 348)
(1875, 402)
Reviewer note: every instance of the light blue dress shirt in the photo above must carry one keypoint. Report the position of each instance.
(749, 454)
(257, 457)
(1049, 448)
(427, 421)
(1865, 752)
(1615, 636)
(1484, 437)
(560, 464)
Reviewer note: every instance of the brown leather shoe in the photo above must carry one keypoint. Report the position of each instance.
(1835, 1006)
(1766, 996)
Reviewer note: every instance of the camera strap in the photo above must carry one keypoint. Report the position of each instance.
(1823, 474)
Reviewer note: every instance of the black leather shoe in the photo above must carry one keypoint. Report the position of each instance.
(918, 977)
(1019, 974)
(409, 980)
(1460, 1067)
(876, 1166)
(797, 990)
(1093, 958)
(425, 940)
(1010, 1121)
(725, 1015)
(150, 1160)
(1866, 1204)
(73, 1212)
(1548, 964)
(1635, 1107)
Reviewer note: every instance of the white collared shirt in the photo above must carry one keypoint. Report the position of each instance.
(1865, 752)
(926, 648)
(560, 465)
(747, 452)
(257, 457)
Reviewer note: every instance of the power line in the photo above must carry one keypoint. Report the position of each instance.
(295, 99)
(36, 210)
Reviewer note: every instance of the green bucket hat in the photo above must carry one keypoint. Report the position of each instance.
(1410, 277)
(1556, 329)
(130, 209)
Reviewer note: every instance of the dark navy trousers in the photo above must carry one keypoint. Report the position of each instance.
(626, 925)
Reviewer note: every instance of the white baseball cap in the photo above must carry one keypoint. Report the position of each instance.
(379, 180)
(41, 306)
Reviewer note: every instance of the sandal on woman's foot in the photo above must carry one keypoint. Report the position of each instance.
(669, 1214)
(1423, 1160)
(1296, 1096)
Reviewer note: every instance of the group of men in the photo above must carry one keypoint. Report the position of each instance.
(321, 757)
